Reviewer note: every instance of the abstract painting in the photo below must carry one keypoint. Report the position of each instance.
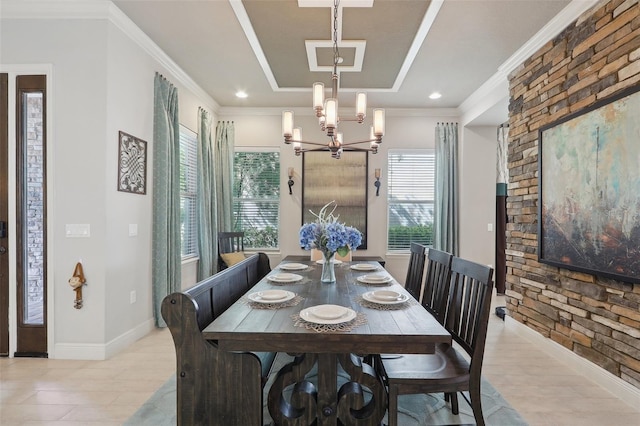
(344, 181)
(589, 188)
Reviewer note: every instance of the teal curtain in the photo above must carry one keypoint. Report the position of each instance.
(166, 243)
(446, 227)
(205, 199)
(502, 178)
(225, 139)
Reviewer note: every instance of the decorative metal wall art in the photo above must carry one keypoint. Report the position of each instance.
(132, 164)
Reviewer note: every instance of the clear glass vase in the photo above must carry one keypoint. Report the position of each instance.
(328, 269)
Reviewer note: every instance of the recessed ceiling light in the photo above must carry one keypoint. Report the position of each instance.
(435, 95)
(241, 94)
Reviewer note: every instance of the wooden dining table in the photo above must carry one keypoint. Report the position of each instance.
(330, 349)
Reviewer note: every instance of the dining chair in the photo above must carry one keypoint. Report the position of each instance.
(230, 243)
(436, 282)
(466, 317)
(317, 255)
(415, 270)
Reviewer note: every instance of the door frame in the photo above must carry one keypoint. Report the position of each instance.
(4, 211)
(13, 71)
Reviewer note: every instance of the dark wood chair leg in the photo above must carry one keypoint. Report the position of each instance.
(392, 413)
(476, 403)
(454, 403)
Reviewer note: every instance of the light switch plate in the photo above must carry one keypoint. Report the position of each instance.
(133, 229)
(77, 230)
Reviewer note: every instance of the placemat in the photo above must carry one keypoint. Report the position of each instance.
(308, 268)
(359, 320)
(304, 280)
(393, 281)
(287, 304)
(386, 307)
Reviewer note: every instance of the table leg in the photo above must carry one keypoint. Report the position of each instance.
(325, 404)
(301, 408)
(327, 389)
(352, 409)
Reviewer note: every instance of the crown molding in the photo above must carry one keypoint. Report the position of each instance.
(103, 9)
(304, 111)
(63, 9)
(497, 86)
(126, 25)
(554, 27)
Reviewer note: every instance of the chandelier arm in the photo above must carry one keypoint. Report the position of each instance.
(312, 143)
(327, 112)
(358, 142)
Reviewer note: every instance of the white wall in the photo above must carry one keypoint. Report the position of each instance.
(102, 82)
(76, 140)
(478, 194)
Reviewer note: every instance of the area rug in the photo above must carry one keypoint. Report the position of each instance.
(413, 410)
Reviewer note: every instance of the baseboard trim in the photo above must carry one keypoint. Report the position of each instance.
(618, 387)
(97, 351)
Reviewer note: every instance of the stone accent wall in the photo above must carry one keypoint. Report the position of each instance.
(35, 205)
(597, 318)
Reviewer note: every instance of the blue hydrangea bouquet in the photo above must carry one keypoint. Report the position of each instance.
(329, 236)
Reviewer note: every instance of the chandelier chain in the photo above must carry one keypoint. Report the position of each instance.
(336, 55)
(326, 110)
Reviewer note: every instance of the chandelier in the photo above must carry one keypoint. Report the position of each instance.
(327, 112)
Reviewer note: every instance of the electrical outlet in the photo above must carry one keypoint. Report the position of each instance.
(132, 297)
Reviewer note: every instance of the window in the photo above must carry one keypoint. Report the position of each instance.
(256, 197)
(411, 182)
(188, 170)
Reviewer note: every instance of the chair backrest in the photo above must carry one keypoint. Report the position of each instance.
(468, 306)
(229, 242)
(436, 282)
(317, 255)
(415, 270)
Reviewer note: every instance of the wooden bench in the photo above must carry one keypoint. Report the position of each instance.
(215, 387)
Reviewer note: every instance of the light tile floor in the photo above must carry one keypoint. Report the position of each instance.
(59, 392)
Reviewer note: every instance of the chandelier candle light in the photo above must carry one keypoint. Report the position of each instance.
(327, 112)
(330, 237)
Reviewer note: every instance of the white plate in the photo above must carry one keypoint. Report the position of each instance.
(386, 295)
(328, 312)
(370, 297)
(307, 315)
(334, 261)
(269, 296)
(364, 267)
(284, 277)
(375, 279)
(293, 266)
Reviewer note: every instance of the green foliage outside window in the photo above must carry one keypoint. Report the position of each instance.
(256, 198)
(400, 235)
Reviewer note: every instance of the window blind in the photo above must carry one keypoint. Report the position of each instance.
(188, 170)
(411, 194)
(256, 201)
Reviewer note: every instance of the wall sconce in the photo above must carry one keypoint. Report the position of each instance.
(290, 183)
(377, 182)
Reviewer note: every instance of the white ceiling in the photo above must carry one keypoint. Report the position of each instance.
(411, 47)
